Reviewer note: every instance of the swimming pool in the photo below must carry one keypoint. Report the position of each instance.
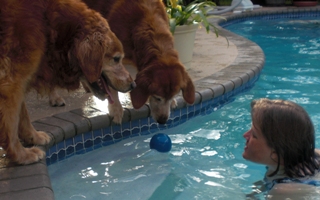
(205, 161)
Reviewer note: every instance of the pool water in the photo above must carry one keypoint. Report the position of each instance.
(205, 161)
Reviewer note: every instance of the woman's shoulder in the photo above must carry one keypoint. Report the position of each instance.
(282, 186)
(282, 179)
(317, 151)
(293, 191)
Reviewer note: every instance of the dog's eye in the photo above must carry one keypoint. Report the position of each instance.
(157, 98)
(116, 59)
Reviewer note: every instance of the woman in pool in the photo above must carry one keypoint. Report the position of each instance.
(282, 138)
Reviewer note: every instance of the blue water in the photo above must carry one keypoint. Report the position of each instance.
(206, 157)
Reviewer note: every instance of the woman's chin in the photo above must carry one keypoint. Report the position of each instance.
(244, 155)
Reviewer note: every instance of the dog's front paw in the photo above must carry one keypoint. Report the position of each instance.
(40, 138)
(116, 112)
(58, 102)
(27, 156)
(55, 99)
(173, 104)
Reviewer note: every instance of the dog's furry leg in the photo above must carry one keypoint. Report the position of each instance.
(12, 107)
(55, 99)
(27, 133)
(115, 109)
(10, 141)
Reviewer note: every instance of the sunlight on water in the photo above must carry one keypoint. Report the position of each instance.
(206, 157)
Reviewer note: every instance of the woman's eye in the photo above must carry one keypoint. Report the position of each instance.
(253, 134)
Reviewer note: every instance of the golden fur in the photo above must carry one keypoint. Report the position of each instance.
(142, 27)
(46, 44)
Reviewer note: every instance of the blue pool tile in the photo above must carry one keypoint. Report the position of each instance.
(184, 111)
(197, 109)
(87, 136)
(117, 135)
(135, 124)
(88, 145)
(97, 133)
(168, 124)
(176, 119)
(106, 131)
(152, 121)
(126, 133)
(144, 121)
(69, 142)
(153, 128)
(175, 113)
(175, 123)
(61, 155)
(135, 132)
(48, 161)
(97, 141)
(79, 148)
(54, 158)
(116, 128)
(70, 151)
(52, 150)
(61, 145)
(107, 138)
(78, 139)
(191, 110)
(125, 126)
(205, 103)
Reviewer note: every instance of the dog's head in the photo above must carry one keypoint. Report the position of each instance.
(160, 83)
(99, 53)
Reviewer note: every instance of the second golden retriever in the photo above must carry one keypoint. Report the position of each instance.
(142, 27)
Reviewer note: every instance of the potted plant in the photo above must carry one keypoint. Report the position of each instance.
(183, 12)
(184, 19)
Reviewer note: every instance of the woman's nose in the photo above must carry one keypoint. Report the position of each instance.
(247, 134)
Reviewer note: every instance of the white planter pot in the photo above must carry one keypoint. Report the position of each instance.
(184, 41)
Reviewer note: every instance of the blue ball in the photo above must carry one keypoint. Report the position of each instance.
(161, 142)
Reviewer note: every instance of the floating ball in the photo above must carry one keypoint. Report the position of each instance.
(161, 142)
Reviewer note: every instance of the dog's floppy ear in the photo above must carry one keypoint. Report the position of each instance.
(90, 53)
(188, 90)
(138, 97)
(140, 94)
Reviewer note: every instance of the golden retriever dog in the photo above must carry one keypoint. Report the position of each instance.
(46, 44)
(143, 28)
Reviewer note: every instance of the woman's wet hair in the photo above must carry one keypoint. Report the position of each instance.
(289, 131)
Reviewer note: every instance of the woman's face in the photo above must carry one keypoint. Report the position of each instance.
(257, 150)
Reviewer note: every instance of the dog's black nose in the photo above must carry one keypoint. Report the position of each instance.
(162, 120)
(133, 85)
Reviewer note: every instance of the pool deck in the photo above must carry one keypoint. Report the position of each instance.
(217, 68)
